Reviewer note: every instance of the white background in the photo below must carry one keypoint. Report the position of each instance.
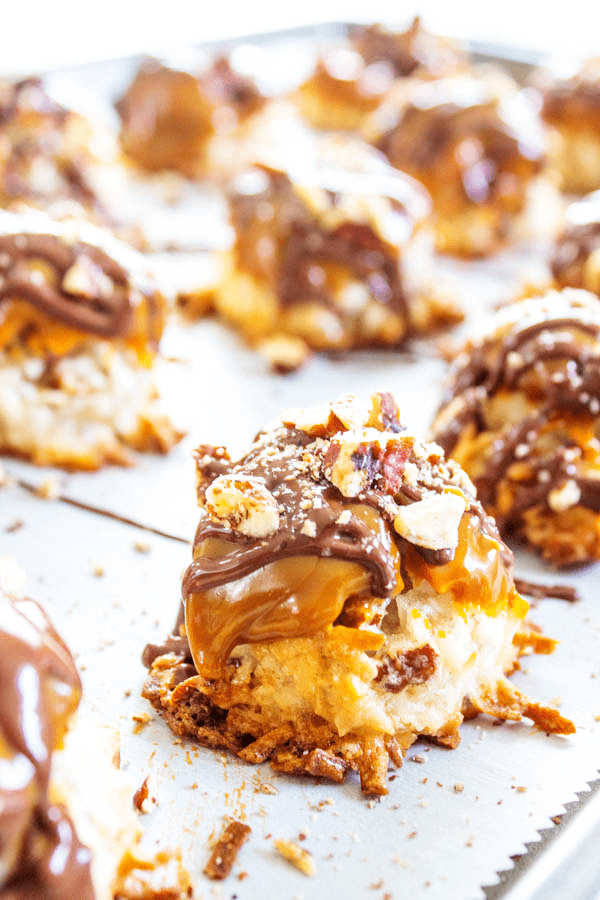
(38, 34)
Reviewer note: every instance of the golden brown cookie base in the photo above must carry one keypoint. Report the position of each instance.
(223, 716)
(568, 538)
(575, 153)
(250, 305)
(154, 435)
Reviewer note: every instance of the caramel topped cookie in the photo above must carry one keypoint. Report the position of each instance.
(347, 594)
(80, 324)
(575, 259)
(349, 81)
(478, 146)
(571, 106)
(49, 152)
(170, 115)
(331, 251)
(522, 416)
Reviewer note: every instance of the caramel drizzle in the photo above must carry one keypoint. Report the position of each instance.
(106, 316)
(476, 380)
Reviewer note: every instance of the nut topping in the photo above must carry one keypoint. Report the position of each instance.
(244, 503)
(432, 522)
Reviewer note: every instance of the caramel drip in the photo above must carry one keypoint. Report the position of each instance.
(291, 597)
(105, 314)
(40, 854)
(476, 577)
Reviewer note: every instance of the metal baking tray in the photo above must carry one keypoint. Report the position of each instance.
(472, 823)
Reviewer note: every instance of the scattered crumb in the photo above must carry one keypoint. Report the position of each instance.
(266, 788)
(377, 885)
(48, 489)
(98, 571)
(417, 758)
(458, 788)
(556, 819)
(14, 526)
(226, 849)
(412, 834)
(298, 857)
(521, 789)
(142, 800)
(141, 547)
(116, 760)
(141, 720)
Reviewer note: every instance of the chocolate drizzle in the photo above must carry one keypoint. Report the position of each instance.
(98, 288)
(234, 580)
(40, 854)
(551, 354)
(108, 313)
(302, 244)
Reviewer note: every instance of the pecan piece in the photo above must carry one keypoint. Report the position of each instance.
(411, 667)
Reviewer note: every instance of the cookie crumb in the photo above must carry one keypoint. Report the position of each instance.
(48, 489)
(298, 856)
(225, 851)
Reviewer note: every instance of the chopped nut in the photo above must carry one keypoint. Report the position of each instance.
(84, 279)
(298, 856)
(384, 413)
(562, 498)
(141, 720)
(141, 799)
(354, 459)
(284, 353)
(266, 788)
(432, 522)
(244, 503)
(347, 412)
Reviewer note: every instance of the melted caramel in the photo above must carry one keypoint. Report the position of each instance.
(288, 598)
(476, 577)
(21, 324)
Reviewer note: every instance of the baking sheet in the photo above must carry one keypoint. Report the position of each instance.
(452, 820)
